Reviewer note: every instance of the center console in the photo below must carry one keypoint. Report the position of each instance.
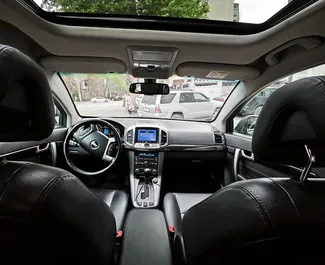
(146, 239)
(146, 163)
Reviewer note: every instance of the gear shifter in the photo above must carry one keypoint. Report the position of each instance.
(145, 192)
(147, 175)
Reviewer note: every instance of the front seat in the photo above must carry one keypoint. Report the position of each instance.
(175, 205)
(117, 201)
(47, 215)
(268, 220)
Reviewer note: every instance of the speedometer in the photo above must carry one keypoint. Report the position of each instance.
(107, 131)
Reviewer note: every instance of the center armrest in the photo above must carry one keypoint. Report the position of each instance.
(146, 239)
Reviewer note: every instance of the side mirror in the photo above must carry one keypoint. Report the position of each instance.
(149, 89)
(246, 125)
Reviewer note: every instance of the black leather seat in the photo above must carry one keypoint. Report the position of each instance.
(267, 220)
(117, 201)
(47, 215)
(176, 204)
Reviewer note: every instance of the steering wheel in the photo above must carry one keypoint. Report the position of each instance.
(84, 138)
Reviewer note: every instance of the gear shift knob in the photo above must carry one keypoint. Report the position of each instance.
(147, 171)
(147, 175)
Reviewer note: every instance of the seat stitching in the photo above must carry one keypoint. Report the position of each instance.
(289, 196)
(256, 202)
(11, 177)
(263, 207)
(113, 198)
(50, 187)
(179, 209)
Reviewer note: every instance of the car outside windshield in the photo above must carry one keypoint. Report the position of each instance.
(106, 95)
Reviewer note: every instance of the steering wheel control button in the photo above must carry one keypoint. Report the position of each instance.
(151, 203)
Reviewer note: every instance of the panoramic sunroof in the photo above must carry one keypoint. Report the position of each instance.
(247, 11)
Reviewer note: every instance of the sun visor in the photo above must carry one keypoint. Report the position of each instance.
(83, 64)
(217, 71)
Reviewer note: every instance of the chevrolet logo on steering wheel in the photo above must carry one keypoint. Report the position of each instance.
(94, 144)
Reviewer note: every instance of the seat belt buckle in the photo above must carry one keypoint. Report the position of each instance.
(171, 229)
(119, 234)
(118, 243)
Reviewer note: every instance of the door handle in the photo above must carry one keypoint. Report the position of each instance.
(251, 157)
(42, 148)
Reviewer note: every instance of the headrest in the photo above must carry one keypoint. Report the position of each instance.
(26, 104)
(292, 117)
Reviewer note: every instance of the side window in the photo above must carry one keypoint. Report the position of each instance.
(186, 97)
(244, 122)
(57, 114)
(167, 99)
(200, 97)
(60, 115)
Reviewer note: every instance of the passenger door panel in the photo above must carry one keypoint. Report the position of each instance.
(243, 166)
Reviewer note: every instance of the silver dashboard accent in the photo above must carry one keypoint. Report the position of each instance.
(236, 162)
(18, 151)
(145, 146)
(246, 156)
(40, 150)
(54, 153)
(106, 157)
(183, 147)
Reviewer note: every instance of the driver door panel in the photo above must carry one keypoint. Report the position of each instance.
(47, 152)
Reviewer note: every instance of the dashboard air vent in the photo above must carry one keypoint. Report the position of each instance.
(163, 139)
(129, 137)
(219, 138)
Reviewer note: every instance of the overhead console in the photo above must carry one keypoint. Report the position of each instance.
(151, 62)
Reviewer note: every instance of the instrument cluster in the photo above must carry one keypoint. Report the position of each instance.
(107, 131)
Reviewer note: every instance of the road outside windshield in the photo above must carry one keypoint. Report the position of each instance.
(106, 95)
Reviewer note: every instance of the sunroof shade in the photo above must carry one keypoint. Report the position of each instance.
(248, 11)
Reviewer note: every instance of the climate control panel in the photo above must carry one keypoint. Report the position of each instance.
(146, 164)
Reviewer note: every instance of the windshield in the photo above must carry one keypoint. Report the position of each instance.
(249, 11)
(106, 95)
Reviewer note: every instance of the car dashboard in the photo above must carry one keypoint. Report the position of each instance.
(168, 135)
(153, 144)
(151, 150)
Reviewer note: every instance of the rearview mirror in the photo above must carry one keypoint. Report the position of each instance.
(149, 89)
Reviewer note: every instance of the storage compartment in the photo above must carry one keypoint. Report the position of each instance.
(146, 239)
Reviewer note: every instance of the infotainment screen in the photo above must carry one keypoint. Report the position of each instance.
(147, 135)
